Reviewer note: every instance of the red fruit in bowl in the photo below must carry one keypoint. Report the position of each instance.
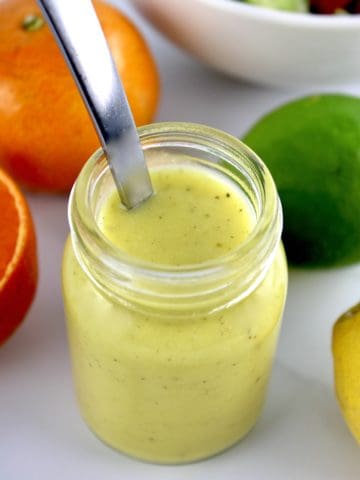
(328, 6)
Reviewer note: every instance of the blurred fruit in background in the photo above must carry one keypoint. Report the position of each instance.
(287, 5)
(45, 132)
(314, 6)
(18, 259)
(346, 355)
(312, 148)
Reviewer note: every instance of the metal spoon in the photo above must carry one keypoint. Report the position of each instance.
(78, 32)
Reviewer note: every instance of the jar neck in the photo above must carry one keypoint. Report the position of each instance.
(191, 289)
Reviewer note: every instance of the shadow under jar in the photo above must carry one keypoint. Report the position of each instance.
(171, 363)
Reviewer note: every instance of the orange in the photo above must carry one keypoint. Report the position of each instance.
(18, 260)
(45, 132)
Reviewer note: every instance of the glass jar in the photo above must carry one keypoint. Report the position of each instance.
(171, 364)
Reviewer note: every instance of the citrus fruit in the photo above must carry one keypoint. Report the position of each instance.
(287, 5)
(312, 148)
(18, 260)
(346, 356)
(45, 132)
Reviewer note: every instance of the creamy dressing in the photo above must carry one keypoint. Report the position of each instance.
(176, 388)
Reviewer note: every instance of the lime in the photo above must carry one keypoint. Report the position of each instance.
(312, 148)
(288, 5)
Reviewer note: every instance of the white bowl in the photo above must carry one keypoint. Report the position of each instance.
(262, 45)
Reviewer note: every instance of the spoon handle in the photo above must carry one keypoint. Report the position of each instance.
(78, 32)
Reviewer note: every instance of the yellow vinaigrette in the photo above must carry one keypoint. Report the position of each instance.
(193, 216)
(172, 377)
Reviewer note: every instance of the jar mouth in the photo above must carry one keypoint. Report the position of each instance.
(207, 145)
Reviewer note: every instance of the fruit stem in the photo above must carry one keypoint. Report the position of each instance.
(33, 22)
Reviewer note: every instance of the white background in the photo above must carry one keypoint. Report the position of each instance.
(301, 435)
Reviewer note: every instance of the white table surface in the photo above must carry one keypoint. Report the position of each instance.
(301, 434)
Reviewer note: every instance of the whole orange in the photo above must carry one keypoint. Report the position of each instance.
(45, 131)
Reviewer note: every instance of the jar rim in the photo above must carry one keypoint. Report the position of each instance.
(258, 248)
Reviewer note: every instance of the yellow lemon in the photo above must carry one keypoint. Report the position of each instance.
(346, 354)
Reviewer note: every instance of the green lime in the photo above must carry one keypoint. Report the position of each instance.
(287, 5)
(312, 148)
